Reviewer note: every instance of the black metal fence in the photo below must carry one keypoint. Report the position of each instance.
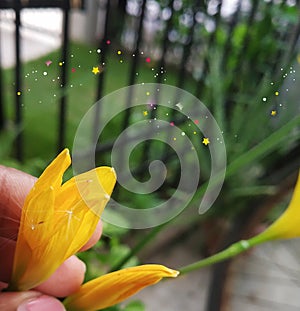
(185, 37)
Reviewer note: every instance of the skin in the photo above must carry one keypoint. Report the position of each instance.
(14, 187)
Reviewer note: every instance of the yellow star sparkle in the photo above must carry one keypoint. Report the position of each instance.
(145, 113)
(273, 113)
(205, 141)
(95, 70)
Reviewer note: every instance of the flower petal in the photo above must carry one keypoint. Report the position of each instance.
(53, 174)
(58, 220)
(112, 288)
(287, 225)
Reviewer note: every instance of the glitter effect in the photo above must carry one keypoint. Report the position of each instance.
(48, 62)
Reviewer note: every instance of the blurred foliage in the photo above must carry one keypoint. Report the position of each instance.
(33, 166)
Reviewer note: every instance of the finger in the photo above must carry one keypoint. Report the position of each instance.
(45, 303)
(14, 187)
(11, 300)
(31, 300)
(7, 250)
(94, 238)
(65, 280)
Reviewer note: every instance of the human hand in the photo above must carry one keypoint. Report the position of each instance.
(14, 187)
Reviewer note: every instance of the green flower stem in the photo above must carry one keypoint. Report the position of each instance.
(144, 241)
(232, 251)
(254, 154)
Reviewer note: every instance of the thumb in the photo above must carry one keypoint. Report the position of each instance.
(29, 301)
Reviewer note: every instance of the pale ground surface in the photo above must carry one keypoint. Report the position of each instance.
(185, 293)
(35, 41)
(267, 278)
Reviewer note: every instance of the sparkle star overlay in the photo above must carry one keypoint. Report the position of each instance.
(95, 70)
(205, 141)
(273, 113)
(48, 63)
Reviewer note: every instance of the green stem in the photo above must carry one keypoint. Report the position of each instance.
(231, 251)
(263, 148)
(149, 237)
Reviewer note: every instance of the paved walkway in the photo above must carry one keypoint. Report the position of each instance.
(266, 278)
(35, 42)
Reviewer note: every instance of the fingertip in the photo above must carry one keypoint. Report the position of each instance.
(66, 279)
(94, 238)
(14, 187)
(45, 303)
(12, 300)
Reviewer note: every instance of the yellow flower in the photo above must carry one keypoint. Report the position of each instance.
(287, 226)
(112, 288)
(56, 221)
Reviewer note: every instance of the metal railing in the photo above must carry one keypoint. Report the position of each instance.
(186, 38)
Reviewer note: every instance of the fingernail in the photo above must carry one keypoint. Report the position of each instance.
(42, 303)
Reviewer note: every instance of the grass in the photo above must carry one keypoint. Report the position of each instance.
(41, 92)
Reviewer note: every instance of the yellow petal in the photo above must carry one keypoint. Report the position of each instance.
(53, 174)
(287, 226)
(112, 288)
(56, 220)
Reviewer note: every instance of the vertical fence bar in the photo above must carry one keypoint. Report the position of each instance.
(277, 60)
(18, 83)
(285, 57)
(165, 42)
(182, 70)
(228, 45)
(102, 59)
(135, 62)
(64, 77)
(100, 86)
(227, 50)
(240, 55)
(187, 47)
(102, 55)
(211, 41)
(247, 36)
(131, 81)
